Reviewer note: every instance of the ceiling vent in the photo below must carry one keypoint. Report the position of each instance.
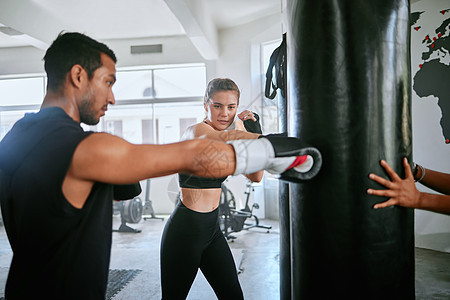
(157, 48)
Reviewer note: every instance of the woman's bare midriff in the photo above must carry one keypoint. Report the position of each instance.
(201, 200)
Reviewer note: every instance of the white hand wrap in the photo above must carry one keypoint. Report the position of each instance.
(306, 166)
(257, 155)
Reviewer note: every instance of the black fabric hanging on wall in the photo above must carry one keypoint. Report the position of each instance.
(349, 95)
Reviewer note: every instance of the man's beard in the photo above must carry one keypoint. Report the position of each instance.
(87, 114)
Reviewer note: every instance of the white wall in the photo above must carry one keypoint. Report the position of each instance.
(432, 230)
(240, 56)
(239, 59)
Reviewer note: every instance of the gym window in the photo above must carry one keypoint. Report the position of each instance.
(165, 99)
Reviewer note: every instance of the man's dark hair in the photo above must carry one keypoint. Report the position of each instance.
(69, 49)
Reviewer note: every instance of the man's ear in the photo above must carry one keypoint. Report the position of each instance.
(77, 75)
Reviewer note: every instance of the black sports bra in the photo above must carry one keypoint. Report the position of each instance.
(195, 182)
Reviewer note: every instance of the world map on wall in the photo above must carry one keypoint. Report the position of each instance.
(433, 75)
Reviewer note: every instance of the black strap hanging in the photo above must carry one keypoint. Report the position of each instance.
(277, 62)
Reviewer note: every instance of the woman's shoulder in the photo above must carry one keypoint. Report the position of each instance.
(196, 130)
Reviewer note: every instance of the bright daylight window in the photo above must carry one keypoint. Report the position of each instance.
(132, 85)
(153, 105)
(270, 107)
(19, 95)
(22, 91)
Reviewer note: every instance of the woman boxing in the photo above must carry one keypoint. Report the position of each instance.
(192, 238)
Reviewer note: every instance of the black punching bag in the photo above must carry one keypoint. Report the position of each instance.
(283, 189)
(276, 84)
(349, 95)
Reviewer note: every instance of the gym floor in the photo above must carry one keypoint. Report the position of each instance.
(256, 253)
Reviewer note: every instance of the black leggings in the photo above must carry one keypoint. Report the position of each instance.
(193, 240)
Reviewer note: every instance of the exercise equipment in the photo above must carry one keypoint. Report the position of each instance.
(349, 88)
(149, 212)
(130, 210)
(134, 210)
(232, 220)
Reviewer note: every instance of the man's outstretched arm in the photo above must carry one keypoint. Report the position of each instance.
(102, 157)
(107, 158)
